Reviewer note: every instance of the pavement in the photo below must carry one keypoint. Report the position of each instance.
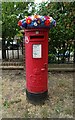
(51, 67)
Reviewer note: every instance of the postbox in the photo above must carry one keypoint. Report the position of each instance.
(36, 54)
(36, 48)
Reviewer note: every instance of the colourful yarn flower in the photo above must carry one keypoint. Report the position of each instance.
(35, 24)
(39, 21)
(47, 22)
(47, 17)
(36, 16)
(28, 20)
(51, 19)
(19, 23)
(43, 18)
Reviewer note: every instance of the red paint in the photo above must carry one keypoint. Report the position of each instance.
(36, 68)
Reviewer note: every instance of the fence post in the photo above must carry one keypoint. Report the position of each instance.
(74, 51)
(3, 49)
(63, 59)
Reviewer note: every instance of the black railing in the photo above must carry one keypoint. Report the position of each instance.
(12, 50)
(62, 53)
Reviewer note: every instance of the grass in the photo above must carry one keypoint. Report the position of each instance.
(26, 115)
(6, 104)
(44, 113)
(68, 111)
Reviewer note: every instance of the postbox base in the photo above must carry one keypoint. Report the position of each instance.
(37, 97)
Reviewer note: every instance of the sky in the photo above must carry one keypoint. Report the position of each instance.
(39, 1)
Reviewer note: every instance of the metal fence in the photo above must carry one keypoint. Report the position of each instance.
(12, 51)
(62, 53)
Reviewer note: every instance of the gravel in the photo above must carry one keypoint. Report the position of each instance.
(58, 105)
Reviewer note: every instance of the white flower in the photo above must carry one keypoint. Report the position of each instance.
(35, 24)
(51, 19)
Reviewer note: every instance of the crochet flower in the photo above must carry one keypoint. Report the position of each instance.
(28, 20)
(47, 17)
(35, 24)
(39, 21)
(43, 18)
(36, 16)
(19, 23)
(47, 22)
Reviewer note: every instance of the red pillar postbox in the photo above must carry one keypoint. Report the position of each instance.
(36, 48)
(36, 52)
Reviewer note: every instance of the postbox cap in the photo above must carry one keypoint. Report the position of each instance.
(37, 21)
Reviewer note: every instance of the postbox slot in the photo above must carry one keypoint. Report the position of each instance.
(37, 37)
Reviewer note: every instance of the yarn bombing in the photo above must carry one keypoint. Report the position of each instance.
(37, 21)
